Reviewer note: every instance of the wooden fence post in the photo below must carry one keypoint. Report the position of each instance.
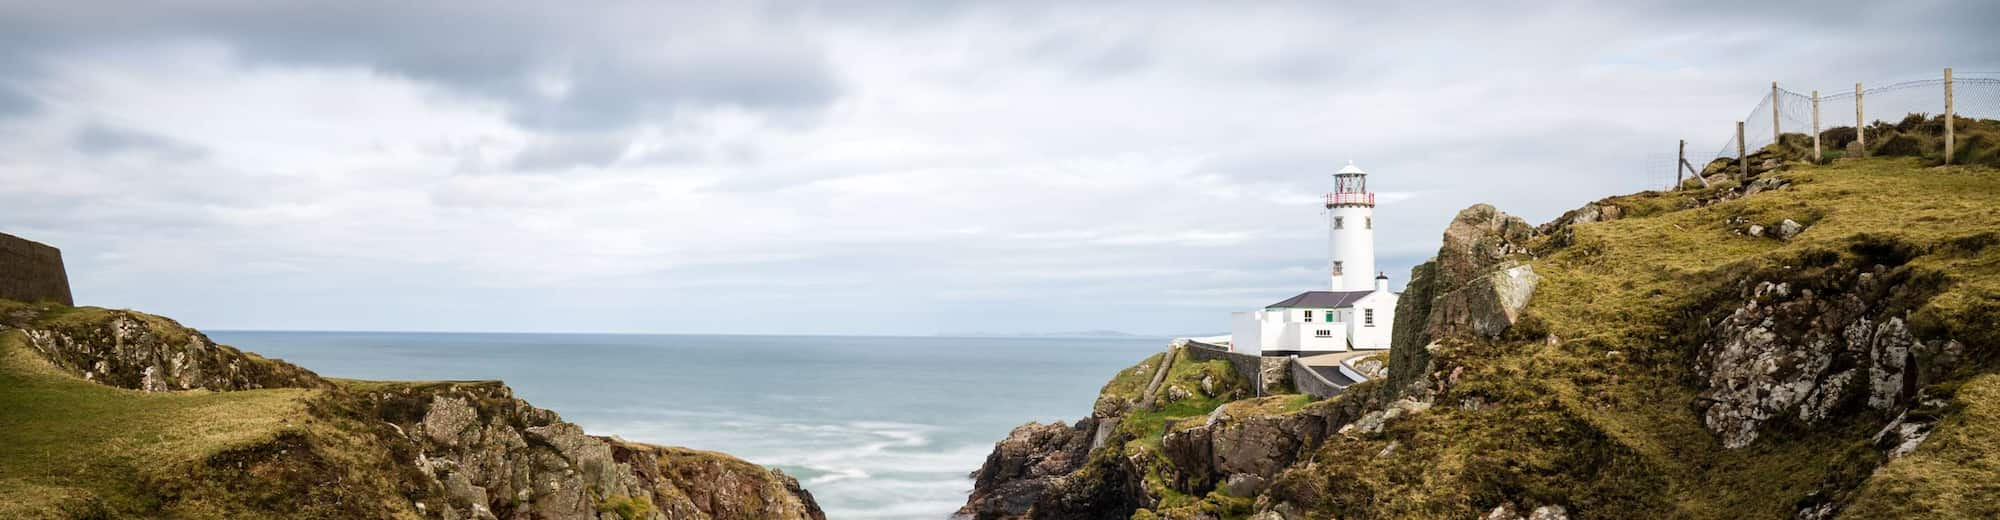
(1742, 159)
(1817, 155)
(1678, 162)
(1775, 133)
(1860, 123)
(1950, 140)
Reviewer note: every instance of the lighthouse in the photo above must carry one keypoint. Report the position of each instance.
(1356, 313)
(1350, 211)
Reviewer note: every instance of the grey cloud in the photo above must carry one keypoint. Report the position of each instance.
(1091, 54)
(641, 62)
(558, 152)
(14, 102)
(99, 139)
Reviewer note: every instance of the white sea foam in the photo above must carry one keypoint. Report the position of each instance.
(856, 469)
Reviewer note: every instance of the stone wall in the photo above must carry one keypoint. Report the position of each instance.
(31, 272)
(1247, 366)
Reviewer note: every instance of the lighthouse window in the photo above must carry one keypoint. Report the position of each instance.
(1339, 223)
(1336, 267)
(1368, 317)
(1370, 222)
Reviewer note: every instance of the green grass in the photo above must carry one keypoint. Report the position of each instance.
(1952, 474)
(1603, 419)
(1146, 427)
(1622, 286)
(69, 444)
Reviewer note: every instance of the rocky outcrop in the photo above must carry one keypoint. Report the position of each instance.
(451, 450)
(139, 351)
(1475, 285)
(1024, 467)
(1242, 446)
(1808, 348)
(495, 456)
(1486, 306)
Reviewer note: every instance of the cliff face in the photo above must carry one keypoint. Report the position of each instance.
(295, 444)
(1812, 342)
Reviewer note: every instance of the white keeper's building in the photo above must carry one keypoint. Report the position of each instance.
(1357, 311)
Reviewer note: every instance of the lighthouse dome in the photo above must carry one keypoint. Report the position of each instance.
(1350, 169)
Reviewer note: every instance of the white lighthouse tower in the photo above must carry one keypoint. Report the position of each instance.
(1350, 210)
(1357, 312)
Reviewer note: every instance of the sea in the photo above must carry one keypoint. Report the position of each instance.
(874, 427)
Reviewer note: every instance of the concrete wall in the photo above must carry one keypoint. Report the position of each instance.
(1247, 365)
(31, 272)
(1310, 383)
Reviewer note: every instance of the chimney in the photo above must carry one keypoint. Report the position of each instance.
(1381, 281)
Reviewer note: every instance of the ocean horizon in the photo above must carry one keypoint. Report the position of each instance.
(876, 427)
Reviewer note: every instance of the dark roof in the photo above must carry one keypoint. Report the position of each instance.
(1322, 299)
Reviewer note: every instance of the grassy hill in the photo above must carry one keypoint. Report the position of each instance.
(119, 414)
(1811, 341)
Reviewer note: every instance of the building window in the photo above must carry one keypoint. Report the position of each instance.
(1370, 222)
(1323, 333)
(1339, 223)
(1368, 317)
(1309, 316)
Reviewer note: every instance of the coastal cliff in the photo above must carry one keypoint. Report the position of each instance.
(121, 414)
(1808, 341)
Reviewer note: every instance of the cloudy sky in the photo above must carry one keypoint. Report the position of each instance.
(852, 168)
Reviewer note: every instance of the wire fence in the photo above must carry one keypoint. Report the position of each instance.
(1975, 95)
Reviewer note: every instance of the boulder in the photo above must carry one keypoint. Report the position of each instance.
(1479, 241)
(1029, 464)
(1488, 305)
(1244, 485)
(1788, 229)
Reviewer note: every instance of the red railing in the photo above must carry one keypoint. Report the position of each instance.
(1350, 199)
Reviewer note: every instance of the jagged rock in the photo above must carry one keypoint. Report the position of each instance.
(1176, 393)
(1479, 241)
(1478, 238)
(449, 422)
(1786, 351)
(1488, 305)
(1788, 229)
(1593, 212)
(1549, 513)
(1503, 512)
(1763, 184)
(1207, 385)
(1244, 485)
(1369, 424)
(143, 352)
(1276, 374)
(1755, 231)
(1025, 466)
